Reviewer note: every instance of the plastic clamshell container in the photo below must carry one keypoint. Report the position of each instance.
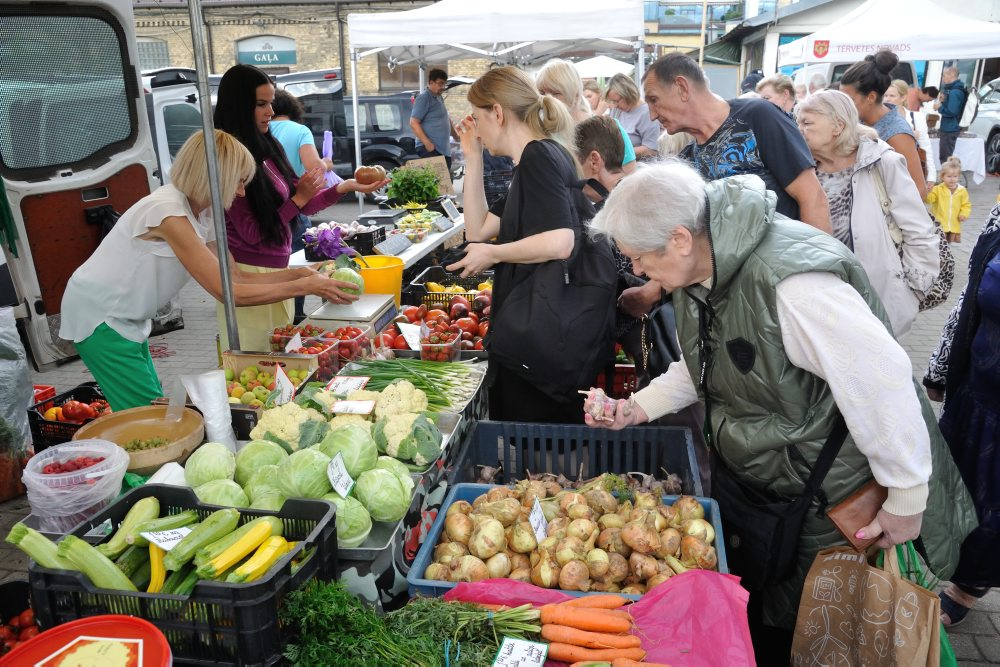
(441, 351)
(469, 492)
(77, 642)
(114, 458)
(218, 623)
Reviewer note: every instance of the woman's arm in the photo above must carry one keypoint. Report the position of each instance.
(311, 159)
(480, 224)
(535, 249)
(203, 266)
(906, 146)
(921, 257)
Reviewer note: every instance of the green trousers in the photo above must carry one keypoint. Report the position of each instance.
(123, 368)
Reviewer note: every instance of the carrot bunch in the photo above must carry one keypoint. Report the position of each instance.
(592, 631)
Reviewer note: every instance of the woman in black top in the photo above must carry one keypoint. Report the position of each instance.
(539, 240)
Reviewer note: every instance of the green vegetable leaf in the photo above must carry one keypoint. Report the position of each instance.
(284, 443)
(307, 399)
(311, 432)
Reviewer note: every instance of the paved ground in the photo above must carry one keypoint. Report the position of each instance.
(976, 641)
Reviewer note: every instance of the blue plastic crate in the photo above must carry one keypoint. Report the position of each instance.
(469, 492)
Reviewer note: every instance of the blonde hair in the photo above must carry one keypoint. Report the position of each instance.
(515, 92)
(593, 86)
(625, 88)
(901, 88)
(839, 108)
(952, 164)
(189, 172)
(561, 76)
(782, 83)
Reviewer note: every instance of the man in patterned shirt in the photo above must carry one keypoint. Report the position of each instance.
(741, 136)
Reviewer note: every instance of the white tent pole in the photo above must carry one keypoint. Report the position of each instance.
(422, 69)
(701, 41)
(218, 214)
(357, 127)
(640, 60)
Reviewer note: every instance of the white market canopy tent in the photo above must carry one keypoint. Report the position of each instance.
(602, 67)
(913, 29)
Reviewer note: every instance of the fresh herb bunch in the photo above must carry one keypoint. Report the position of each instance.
(416, 184)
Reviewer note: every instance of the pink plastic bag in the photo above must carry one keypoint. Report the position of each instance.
(696, 618)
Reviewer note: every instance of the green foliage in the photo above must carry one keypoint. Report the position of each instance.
(416, 184)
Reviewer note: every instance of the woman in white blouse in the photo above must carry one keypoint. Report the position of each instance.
(157, 245)
(896, 95)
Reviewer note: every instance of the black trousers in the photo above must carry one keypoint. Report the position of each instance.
(946, 147)
(514, 399)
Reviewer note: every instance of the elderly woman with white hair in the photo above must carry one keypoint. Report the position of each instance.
(855, 167)
(784, 341)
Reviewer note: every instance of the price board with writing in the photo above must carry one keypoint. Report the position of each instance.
(538, 522)
(521, 653)
(167, 539)
(340, 479)
(393, 245)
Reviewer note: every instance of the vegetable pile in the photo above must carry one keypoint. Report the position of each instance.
(77, 412)
(593, 542)
(446, 386)
(216, 549)
(140, 444)
(18, 629)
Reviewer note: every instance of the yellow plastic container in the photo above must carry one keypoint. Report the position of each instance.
(383, 275)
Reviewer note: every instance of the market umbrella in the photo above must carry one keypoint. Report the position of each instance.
(602, 67)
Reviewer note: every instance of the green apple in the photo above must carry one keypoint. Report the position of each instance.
(230, 375)
(247, 398)
(256, 404)
(249, 374)
(261, 393)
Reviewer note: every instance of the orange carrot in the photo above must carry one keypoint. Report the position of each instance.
(608, 601)
(596, 620)
(568, 635)
(627, 662)
(569, 653)
(591, 663)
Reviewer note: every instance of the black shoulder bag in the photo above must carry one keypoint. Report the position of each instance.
(761, 533)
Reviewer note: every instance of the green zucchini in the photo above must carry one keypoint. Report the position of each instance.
(216, 526)
(188, 584)
(133, 558)
(215, 549)
(175, 578)
(143, 510)
(179, 520)
(102, 572)
(140, 578)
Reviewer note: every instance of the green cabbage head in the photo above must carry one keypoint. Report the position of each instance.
(397, 467)
(303, 474)
(350, 276)
(353, 521)
(270, 501)
(263, 480)
(356, 446)
(211, 461)
(255, 454)
(383, 495)
(223, 492)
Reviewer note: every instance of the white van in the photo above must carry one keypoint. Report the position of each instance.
(832, 73)
(75, 146)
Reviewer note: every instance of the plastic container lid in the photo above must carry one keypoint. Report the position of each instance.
(111, 641)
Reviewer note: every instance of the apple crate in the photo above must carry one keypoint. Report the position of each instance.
(237, 362)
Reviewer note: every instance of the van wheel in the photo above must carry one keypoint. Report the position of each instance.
(993, 153)
(381, 194)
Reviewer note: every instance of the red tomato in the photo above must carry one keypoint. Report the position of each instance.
(385, 340)
(6, 632)
(478, 345)
(484, 328)
(14, 621)
(400, 343)
(467, 324)
(27, 633)
(412, 313)
(27, 617)
(436, 314)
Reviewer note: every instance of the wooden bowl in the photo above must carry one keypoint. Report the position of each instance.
(144, 423)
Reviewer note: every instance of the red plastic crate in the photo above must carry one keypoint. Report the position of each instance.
(43, 394)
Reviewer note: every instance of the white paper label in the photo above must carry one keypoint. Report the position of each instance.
(284, 385)
(353, 407)
(521, 653)
(339, 477)
(167, 539)
(411, 333)
(538, 522)
(347, 384)
(295, 343)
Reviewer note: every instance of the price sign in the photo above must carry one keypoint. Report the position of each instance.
(353, 407)
(339, 477)
(342, 385)
(538, 522)
(295, 343)
(167, 539)
(411, 333)
(521, 653)
(393, 245)
(284, 386)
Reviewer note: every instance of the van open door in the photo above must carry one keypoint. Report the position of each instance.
(174, 114)
(75, 147)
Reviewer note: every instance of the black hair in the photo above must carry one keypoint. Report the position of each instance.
(437, 75)
(673, 65)
(286, 104)
(930, 91)
(872, 75)
(234, 113)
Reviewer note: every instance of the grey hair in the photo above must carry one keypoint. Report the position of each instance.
(839, 108)
(646, 207)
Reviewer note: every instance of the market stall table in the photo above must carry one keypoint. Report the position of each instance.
(971, 150)
(410, 256)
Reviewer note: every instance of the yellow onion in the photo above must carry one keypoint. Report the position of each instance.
(498, 565)
(449, 551)
(569, 499)
(459, 527)
(611, 520)
(670, 513)
(656, 580)
(641, 535)
(545, 573)
(617, 568)
(469, 568)
(487, 539)
(574, 576)
(601, 501)
(460, 507)
(522, 538)
(689, 508)
(696, 553)
(549, 544)
(699, 528)
(570, 548)
(518, 561)
(604, 587)
(506, 511)
(581, 528)
(557, 525)
(610, 539)
(580, 511)
(499, 493)
(479, 502)
(520, 574)
(598, 562)
(670, 543)
(529, 491)
(633, 589)
(646, 501)
(643, 567)
(438, 572)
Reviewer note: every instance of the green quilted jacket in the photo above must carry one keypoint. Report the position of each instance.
(758, 402)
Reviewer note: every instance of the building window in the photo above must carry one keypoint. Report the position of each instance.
(153, 53)
(394, 76)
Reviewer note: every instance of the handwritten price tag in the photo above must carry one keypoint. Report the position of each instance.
(295, 343)
(284, 385)
(343, 385)
(411, 333)
(339, 477)
(520, 653)
(167, 539)
(538, 522)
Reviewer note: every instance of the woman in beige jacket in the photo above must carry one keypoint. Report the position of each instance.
(853, 167)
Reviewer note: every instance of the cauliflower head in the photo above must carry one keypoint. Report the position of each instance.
(399, 398)
(291, 426)
(408, 437)
(363, 395)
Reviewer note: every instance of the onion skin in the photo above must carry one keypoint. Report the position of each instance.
(438, 572)
(459, 506)
(574, 576)
(641, 536)
(469, 568)
(671, 514)
(449, 551)
(459, 527)
(610, 539)
(545, 573)
(598, 562)
(487, 539)
(643, 567)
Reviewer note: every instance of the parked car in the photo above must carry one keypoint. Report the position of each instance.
(987, 123)
(834, 72)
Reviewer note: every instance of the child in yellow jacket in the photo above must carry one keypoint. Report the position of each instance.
(950, 201)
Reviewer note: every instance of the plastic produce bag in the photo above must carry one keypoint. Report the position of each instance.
(696, 618)
(16, 395)
(331, 178)
(208, 392)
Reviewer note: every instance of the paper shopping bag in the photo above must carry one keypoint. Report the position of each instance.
(852, 613)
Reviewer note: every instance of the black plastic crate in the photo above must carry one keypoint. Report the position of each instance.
(578, 452)
(364, 242)
(14, 598)
(219, 623)
(45, 433)
(437, 274)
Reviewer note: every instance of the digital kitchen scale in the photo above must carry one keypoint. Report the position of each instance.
(374, 310)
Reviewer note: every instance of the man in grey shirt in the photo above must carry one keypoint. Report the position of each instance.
(429, 119)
